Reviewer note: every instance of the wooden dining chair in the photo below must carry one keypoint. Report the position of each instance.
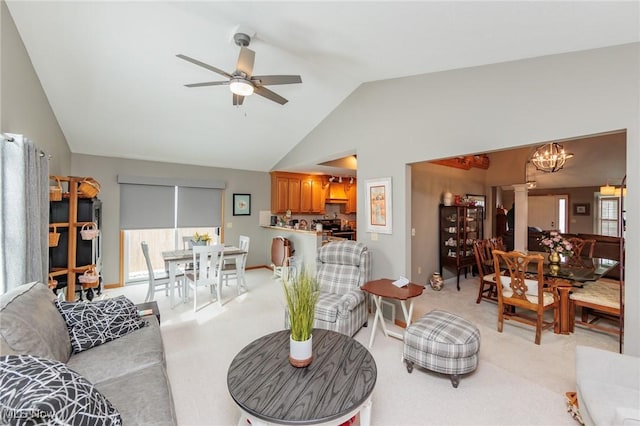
(484, 262)
(516, 290)
(581, 249)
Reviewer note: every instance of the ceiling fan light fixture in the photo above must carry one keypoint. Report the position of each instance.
(240, 87)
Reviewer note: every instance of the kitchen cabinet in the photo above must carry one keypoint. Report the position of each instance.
(298, 193)
(72, 255)
(311, 195)
(285, 193)
(352, 198)
(459, 226)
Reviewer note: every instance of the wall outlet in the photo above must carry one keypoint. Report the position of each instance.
(374, 236)
(413, 232)
(229, 225)
(419, 270)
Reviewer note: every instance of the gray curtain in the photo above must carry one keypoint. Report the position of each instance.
(24, 202)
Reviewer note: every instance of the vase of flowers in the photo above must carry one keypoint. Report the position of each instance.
(200, 239)
(556, 245)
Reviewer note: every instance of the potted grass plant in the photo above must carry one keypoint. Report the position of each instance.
(301, 293)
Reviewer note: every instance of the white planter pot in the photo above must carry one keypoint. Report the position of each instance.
(300, 354)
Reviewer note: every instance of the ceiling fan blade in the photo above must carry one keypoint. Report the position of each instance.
(210, 83)
(245, 61)
(266, 80)
(237, 99)
(203, 65)
(266, 93)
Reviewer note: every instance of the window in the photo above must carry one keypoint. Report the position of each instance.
(161, 211)
(608, 222)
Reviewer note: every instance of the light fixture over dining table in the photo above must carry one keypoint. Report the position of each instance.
(550, 157)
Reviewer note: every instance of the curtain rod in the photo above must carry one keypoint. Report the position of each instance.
(40, 152)
(7, 138)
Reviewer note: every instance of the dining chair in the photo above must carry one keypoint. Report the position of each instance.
(516, 290)
(497, 243)
(484, 262)
(234, 267)
(581, 249)
(207, 273)
(158, 281)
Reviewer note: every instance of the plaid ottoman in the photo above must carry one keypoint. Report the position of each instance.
(442, 342)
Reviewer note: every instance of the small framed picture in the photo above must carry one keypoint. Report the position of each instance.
(582, 209)
(242, 204)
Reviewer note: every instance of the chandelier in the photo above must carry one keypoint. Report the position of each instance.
(550, 157)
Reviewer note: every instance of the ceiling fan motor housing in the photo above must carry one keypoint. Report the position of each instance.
(241, 39)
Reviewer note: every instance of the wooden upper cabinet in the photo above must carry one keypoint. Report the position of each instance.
(294, 195)
(279, 194)
(317, 196)
(302, 194)
(352, 198)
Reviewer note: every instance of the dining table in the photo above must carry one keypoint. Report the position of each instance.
(174, 258)
(569, 273)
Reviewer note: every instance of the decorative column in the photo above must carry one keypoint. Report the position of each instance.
(520, 232)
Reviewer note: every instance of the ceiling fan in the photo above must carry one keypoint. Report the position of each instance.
(242, 82)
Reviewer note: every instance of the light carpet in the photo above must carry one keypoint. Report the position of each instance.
(516, 382)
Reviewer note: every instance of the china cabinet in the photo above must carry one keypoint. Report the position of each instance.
(459, 226)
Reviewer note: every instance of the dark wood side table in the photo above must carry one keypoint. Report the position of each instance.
(335, 387)
(385, 288)
(153, 305)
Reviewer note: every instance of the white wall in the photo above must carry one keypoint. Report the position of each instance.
(106, 170)
(396, 122)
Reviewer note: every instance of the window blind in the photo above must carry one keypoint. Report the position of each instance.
(199, 207)
(147, 206)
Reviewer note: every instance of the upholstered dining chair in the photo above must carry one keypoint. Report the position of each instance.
(517, 290)
(484, 262)
(342, 268)
(209, 262)
(158, 281)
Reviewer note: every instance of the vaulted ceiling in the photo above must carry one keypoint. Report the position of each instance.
(110, 72)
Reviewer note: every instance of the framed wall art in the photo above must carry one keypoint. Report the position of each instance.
(582, 209)
(242, 204)
(378, 205)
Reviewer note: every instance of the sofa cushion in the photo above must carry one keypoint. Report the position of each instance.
(31, 323)
(121, 356)
(147, 400)
(36, 390)
(92, 324)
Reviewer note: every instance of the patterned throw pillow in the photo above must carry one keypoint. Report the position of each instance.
(92, 324)
(36, 390)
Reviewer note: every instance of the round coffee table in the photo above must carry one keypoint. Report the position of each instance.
(335, 387)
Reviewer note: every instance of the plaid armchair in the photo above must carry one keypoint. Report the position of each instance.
(342, 268)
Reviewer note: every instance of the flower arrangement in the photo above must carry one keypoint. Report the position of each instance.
(205, 238)
(554, 242)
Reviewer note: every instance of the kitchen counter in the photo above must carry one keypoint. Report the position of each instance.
(285, 229)
(305, 244)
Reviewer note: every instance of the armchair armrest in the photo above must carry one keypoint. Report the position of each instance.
(350, 300)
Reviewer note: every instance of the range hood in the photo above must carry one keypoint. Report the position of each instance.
(337, 194)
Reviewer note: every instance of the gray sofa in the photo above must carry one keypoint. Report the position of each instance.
(129, 371)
